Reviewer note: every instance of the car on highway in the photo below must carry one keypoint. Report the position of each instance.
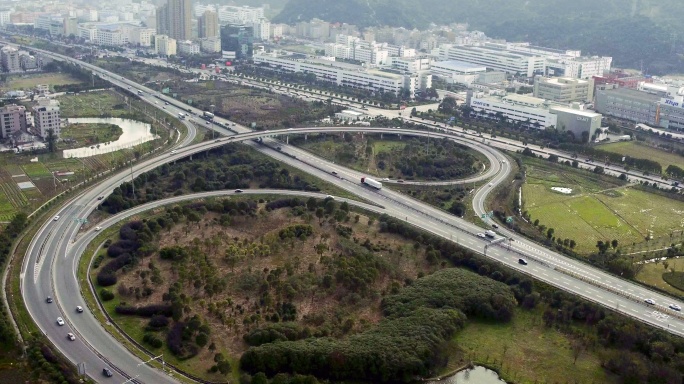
(522, 261)
(56, 218)
(71, 336)
(495, 225)
(48, 300)
(650, 301)
(107, 372)
(79, 309)
(481, 235)
(100, 197)
(60, 321)
(238, 191)
(173, 152)
(386, 179)
(400, 180)
(334, 172)
(98, 228)
(675, 307)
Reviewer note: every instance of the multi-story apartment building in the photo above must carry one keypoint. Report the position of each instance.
(174, 19)
(262, 29)
(70, 26)
(10, 59)
(46, 117)
(210, 44)
(164, 45)
(88, 33)
(563, 89)
(5, 17)
(240, 15)
(142, 37)
(276, 31)
(207, 24)
(12, 119)
(187, 48)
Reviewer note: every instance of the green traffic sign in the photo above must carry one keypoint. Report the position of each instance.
(509, 219)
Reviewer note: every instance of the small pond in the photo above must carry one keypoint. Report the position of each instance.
(134, 133)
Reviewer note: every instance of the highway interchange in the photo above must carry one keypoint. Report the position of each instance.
(50, 264)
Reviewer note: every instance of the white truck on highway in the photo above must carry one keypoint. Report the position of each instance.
(370, 182)
(490, 234)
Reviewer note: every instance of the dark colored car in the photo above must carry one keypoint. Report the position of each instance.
(107, 372)
(522, 261)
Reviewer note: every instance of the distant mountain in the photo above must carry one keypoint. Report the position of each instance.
(637, 33)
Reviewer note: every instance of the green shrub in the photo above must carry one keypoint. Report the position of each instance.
(106, 294)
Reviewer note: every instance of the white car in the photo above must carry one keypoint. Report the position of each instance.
(481, 235)
(675, 307)
(79, 309)
(71, 336)
(98, 228)
(650, 301)
(56, 218)
(173, 152)
(60, 321)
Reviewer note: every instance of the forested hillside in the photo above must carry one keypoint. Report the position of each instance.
(628, 30)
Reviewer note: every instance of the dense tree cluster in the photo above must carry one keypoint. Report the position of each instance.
(645, 165)
(443, 160)
(453, 288)
(228, 167)
(397, 350)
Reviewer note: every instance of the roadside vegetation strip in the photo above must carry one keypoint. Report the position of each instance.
(642, 151)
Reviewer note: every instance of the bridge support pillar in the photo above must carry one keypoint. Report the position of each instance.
(190, 157)
(381, 136)
(287, 139)
(306, 136)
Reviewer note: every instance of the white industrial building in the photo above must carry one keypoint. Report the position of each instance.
(534, 112)
(348, 75)
(528, 60)
(457, 72)
(495, 58)
(410, 64)
(563, 89)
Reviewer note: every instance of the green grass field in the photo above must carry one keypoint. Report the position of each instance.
(534, 354)
(30, 81)
(91, 134)
(596, 209)
(36, 170)
(652, 274)
(91, 104)
(637, 150)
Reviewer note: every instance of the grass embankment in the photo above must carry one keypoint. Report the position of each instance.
(598, 208)
(16, 82)
(637, 150)
(84, 135)
(526, 351)
(387, 156)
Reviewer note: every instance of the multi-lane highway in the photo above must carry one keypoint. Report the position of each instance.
(49, 268)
